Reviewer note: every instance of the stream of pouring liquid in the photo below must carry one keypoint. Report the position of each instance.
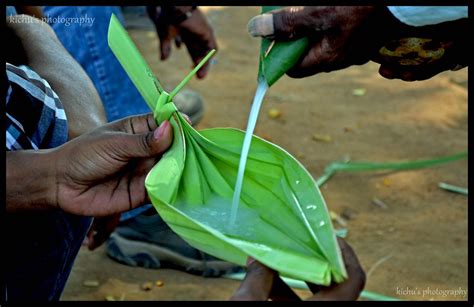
(256, 104)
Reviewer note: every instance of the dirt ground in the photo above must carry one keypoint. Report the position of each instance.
(416, 245)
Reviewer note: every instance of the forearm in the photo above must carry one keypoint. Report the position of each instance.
(31, 180)
(46, 55)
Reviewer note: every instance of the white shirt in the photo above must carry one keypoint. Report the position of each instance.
(427, 15)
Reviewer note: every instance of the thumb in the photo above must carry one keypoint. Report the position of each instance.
(149, 144)
(285, 23)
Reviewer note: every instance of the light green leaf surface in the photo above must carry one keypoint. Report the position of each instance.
(282, 219)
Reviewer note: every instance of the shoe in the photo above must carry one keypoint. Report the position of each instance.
(190, 103)
(147, 241)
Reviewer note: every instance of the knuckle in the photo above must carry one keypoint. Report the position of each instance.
(144, 142)
(288, 23)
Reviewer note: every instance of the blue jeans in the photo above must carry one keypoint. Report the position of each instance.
(87, 43)
(39, 249)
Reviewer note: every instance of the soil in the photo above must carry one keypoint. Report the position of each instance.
(415, 248)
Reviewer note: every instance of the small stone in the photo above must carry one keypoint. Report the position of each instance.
(387, 182)
(147, 286)
(322, 138)
(159, 283)
(274, 113)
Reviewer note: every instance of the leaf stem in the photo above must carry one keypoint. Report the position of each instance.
(192, 73)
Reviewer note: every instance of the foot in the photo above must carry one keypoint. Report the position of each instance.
(146, 241)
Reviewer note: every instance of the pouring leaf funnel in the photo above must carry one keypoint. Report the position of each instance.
(282, 219)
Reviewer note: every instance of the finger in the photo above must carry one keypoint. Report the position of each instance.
(204, 70)
(351, 288)
(178, 41)
(198, 52)
(165, 47)
(409, 73)
(261, 25)
(386, 72)
(103, 228)
(136, 124)
(145, 145)
(314, 288)
(285, 23)
(89, 237)
(322, 57)
(282, 292)
(257, 283)
(326, 55)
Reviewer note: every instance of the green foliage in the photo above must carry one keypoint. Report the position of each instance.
(282, 221)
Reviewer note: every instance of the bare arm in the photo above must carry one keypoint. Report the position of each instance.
(29, 188)
(99, 173)
(46, 55)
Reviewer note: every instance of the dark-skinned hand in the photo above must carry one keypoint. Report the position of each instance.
(195, 32)
(262, 283)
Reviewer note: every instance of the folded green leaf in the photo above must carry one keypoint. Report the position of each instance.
(133, 62)
(276, 58)
(282, 220)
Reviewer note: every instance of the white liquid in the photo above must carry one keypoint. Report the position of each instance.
(256, 104)
(215, 213)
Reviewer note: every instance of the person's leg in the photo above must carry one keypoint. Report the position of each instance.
(41, 249)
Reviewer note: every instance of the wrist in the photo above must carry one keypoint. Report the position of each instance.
(31, 180)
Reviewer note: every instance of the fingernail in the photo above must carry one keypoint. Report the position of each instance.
(161, 130)
(250, 260)
(261, 25)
